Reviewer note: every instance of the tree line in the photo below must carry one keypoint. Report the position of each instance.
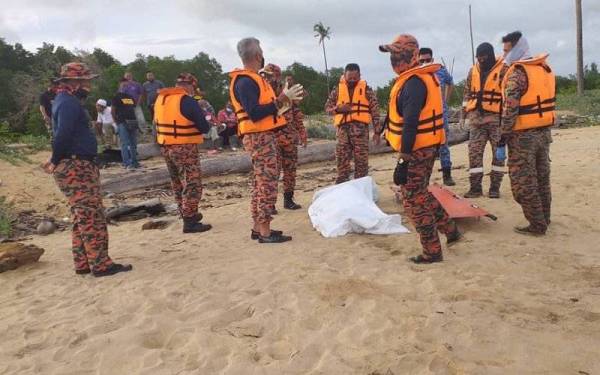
(24, 75)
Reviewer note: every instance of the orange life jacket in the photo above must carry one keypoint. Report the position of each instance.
(172, 127)
(361, 112)
(491, 92)
(537, 105)
(267, 96)
(430, 130)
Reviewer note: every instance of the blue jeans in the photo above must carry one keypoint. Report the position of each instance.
(128, 145)
(444, 149)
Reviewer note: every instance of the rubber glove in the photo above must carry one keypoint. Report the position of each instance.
(501, 153)
(293, 93)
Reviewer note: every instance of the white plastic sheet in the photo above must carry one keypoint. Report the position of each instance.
(350, 208)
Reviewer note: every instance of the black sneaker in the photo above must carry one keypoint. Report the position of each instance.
(255, 235)
(274, 238)
(114, 269)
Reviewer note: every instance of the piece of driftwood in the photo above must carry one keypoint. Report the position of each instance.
(237, 163)
(136, 211)
(14, 254)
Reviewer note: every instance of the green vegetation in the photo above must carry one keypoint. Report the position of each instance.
(6, 218)
(588, 104)
(25, 74)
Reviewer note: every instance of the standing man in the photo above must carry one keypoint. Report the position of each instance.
(151, 86)
(259, 113)
(354, 106)
(136, 91)
(73, 163)
(123, 112)
(46, 99)
(180, 123)
(416, 130)
(482, 102)
(288, 137)
(447, 85)
(528, 113)
(105, 125)
(227, 118)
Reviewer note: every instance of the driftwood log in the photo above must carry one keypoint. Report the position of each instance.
(15, 254)
(236, 163)
(150, 207)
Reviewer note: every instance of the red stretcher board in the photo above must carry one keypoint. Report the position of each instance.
(457, 206)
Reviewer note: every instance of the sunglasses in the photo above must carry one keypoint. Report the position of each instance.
(425, 61)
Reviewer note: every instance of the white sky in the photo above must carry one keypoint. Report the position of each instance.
(185, 27)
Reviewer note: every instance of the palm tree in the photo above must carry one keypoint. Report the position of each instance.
(323, 32)
(580, 82)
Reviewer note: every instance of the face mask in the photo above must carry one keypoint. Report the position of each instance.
(81, 93)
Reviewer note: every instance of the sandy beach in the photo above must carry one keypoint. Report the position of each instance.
(219, 303)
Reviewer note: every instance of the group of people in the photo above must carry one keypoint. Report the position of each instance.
(508, 100)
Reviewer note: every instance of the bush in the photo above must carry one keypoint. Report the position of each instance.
(6, 218)
(586, 105)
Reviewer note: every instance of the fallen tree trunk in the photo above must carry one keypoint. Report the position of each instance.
(236, 163)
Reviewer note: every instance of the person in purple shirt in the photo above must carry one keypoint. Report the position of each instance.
(136, 91)
(446, 84)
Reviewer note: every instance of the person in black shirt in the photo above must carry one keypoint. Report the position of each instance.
(123, 112)
(46, 99)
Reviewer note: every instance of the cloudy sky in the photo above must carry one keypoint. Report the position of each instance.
(184, 27)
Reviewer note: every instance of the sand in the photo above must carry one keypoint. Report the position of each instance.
(218, 303)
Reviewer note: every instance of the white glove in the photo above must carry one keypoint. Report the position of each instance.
(293, 93)
(284, 108)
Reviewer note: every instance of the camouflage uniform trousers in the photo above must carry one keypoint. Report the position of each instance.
(183, 164)
(484, 129)
(426, 213)
(287, 147)
(352, 143)
(79, 180)
(262, 148)
(529, 172)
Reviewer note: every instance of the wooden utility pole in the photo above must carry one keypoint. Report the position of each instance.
(580, 81)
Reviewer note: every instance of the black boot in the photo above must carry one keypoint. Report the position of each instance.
(288, 202)
(193, 225)
(447, 173)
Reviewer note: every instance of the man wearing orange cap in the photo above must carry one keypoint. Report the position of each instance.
(288, 138)
(353, 106)
(180, 123)
(73, 164)
(415, 128)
